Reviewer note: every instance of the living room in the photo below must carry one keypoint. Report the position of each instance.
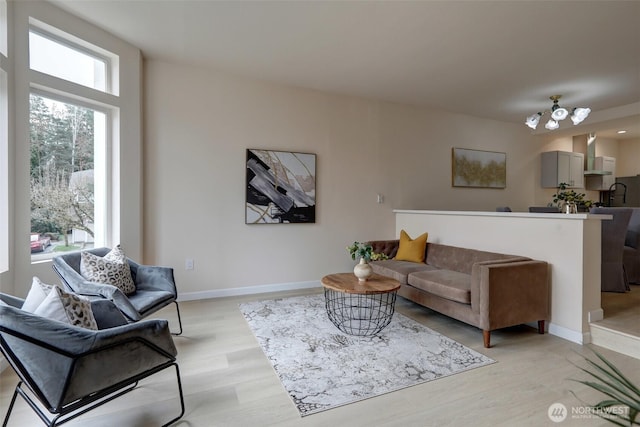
(186, 178)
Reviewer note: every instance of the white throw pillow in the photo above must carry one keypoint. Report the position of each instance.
(36, 295)
(53, 303)
(112, 269)
(52, 308)
(67, 308)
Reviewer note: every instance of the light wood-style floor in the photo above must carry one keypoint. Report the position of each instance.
(622, 310)
(229, 382)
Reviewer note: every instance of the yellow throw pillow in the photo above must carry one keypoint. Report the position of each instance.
(411, 249)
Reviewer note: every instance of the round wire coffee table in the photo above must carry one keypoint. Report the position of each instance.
(360, 308)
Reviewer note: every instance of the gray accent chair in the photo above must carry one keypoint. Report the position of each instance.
(613, 277)
(67, 370)
(631, 256)
(155, 286)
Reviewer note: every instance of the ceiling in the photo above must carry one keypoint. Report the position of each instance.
(494, 59)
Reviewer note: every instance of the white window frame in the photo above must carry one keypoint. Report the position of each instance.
(4, 25)
(62, 90)
(67, 40)
(125, 131)
(4, 138)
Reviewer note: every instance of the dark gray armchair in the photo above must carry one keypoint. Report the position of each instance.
(631, 256)
(613, 277)
(155, 286)
(68, 371)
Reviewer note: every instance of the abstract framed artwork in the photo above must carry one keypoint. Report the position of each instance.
(477, 168)
(281, 187)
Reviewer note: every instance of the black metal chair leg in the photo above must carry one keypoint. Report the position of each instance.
(181, 398)
(179, 319)
(13, 400)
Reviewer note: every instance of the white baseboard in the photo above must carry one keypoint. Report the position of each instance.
(569, 334)
(553, 329)
(249, 290)
(618, 341)
(595, 315)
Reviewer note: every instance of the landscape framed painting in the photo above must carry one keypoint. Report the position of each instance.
(477, 168)
(281, 187)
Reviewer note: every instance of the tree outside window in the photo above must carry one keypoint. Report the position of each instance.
(62, 164)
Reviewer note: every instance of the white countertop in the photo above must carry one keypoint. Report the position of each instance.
(577, 216)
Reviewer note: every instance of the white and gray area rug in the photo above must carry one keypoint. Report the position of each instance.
(322, 368)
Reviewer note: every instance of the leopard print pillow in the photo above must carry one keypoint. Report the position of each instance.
(77, 309)
(65, 307)
(112, 269)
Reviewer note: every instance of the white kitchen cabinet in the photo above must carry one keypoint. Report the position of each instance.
(604, 174)
(562, 166)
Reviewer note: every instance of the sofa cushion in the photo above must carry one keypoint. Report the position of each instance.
(398, 269)
(411, 249)
(447, 284)
(460, 259)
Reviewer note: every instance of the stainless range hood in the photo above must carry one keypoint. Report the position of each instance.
(586, 144)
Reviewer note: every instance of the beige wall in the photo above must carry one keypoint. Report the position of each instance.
(628, 161)
(198, 124)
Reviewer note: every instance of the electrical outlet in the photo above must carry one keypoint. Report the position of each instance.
(188, 264)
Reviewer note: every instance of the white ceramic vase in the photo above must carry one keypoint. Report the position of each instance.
(362, 270)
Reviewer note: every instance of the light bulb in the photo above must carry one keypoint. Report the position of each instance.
(552, 124)
(559, 114)
(533, 120)
(579, 114)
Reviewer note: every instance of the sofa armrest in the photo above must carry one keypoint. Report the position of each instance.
(387, 247)
(510, 293)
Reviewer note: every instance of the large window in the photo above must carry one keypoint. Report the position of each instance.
(68, 147)
(67, 152)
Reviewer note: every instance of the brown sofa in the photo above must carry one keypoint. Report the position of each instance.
(484, 289)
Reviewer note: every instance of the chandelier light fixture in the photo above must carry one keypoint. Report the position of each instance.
(557, 113)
